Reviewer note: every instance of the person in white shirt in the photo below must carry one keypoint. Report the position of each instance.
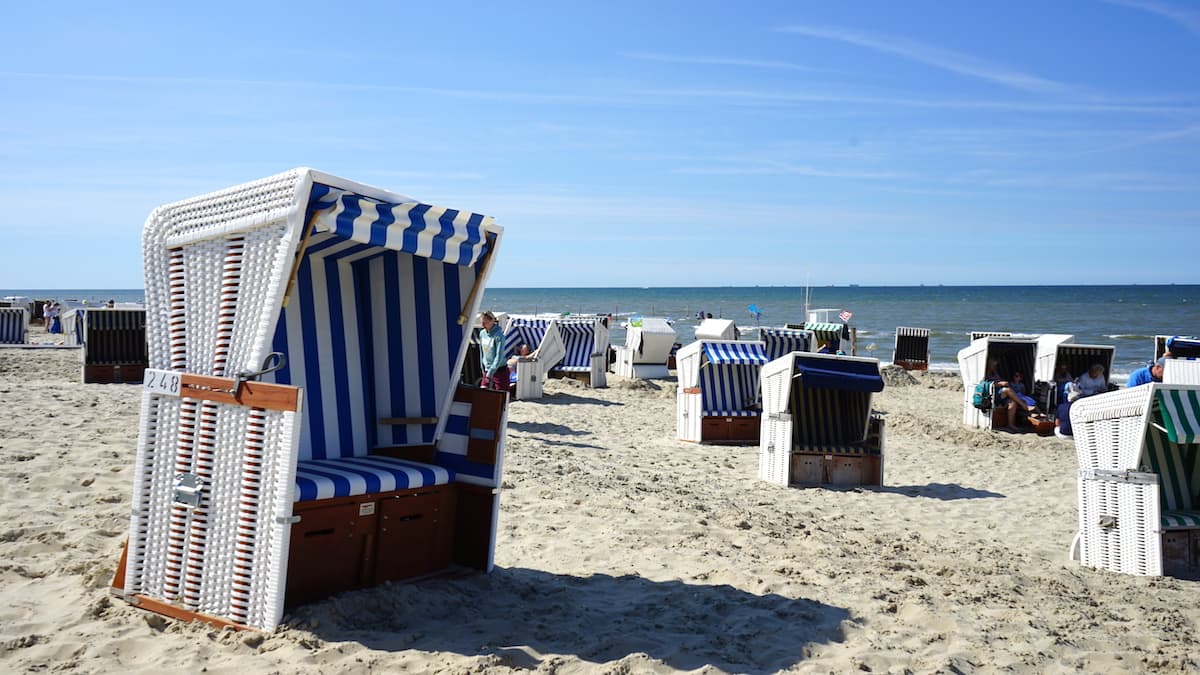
(1093, 381)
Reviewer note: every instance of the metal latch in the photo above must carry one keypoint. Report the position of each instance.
(273, 362)
(1108, 522)
(187, 490)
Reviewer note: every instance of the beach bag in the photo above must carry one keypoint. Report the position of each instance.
(982, 398)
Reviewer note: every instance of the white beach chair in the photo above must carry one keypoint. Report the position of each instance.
(717, 329)
(1139, 479)
(780, 341)
(1014, 353)
(817, 424)
(912, 348)
(1047, 355)
(718, 395)
(305, 286)
(1077, 359)
(14, 325)
(648, 343)
(541, 334)
(1184, 365)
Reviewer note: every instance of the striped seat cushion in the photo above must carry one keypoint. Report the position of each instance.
(574, 369)
(1180, 519)
(353, 476)
(731, 413)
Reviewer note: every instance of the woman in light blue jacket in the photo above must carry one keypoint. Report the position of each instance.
(491, 354)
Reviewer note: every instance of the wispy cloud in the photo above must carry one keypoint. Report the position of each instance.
(1189, 19)
(720, 61)
(788, 170)
(937, 57)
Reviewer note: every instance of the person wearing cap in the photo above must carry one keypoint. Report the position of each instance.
(491, 354)
(1151, 373)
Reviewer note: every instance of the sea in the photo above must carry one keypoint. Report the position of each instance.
(1127, 317)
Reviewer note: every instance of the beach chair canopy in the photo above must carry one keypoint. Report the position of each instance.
(726, 372)
(652, 339)
(1182, 347)
(540, 333)
(824, 331)
(843, 374)
(735, 353)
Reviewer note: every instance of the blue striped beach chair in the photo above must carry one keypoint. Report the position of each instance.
(912, 348)
(718, 393)
(818, 426)
(648, 344)
(780, 341)
(303, 428)
(1013, 353)
(14, 325)
(1139, 480)
(542, 336)
(585, 341)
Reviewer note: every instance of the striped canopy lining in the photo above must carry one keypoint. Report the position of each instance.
(729, 379)
(369, 332)
(1175, 463)
(1013, 358)
(828, 417)
(113, 336)
(1079, 359)
(524, 331)
(579, 340)
(912, 344)
(783, 341)
(825, 331)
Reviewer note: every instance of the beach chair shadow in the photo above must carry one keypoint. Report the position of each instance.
(546, 428)
(559, 398)
(943, 491)
(524, 617)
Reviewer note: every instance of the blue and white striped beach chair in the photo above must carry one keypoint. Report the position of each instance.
(718, 394)
(542, 336)
(780, 341)
(14, 325)
(585, 341)
(1139, 480)
(303, 427)
(818, 426)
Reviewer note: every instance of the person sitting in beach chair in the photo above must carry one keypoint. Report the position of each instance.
(1010, 395)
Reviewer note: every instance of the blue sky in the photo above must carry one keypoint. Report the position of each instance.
(631, 143)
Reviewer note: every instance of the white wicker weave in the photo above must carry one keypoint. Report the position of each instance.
(1181, 371)
(775, 439)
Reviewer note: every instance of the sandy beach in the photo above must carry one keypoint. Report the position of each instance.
(621, 549)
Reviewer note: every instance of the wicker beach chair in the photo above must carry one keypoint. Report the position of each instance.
(14, 325)
(648, 343)
(718, 393)
(979, 334)
(818, 427)
(1077, 359)
(780, 341)
(1139, 479)
(585, 341)
(1013, 353)
(912, 348)
(541, 334)
(303, 430)
(113, 341)
(718, 329)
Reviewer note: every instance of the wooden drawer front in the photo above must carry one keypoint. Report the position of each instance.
(836, 470)
(744, 428)
(415, 535)
(330, 551)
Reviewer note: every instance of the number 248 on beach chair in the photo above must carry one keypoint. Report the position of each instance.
(303, 430)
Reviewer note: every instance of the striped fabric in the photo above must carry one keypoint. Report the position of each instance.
(524, 331)
(432, 232)
(114, 336)
(1175, 465)
(353, 476)
(829, 417)
(912, 345)
(369, 333)
(1183, 346)
(736, 353)
(825, 331)
(14, 325)
(727, 389)
(840, 373)
(780, 341)
(452, 449)
(579, 339)
(1079, 358)
(1180, 520)
(1180, 413)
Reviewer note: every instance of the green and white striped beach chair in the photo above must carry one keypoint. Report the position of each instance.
(1139, 478)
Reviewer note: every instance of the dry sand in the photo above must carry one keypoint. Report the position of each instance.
(621, 549)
